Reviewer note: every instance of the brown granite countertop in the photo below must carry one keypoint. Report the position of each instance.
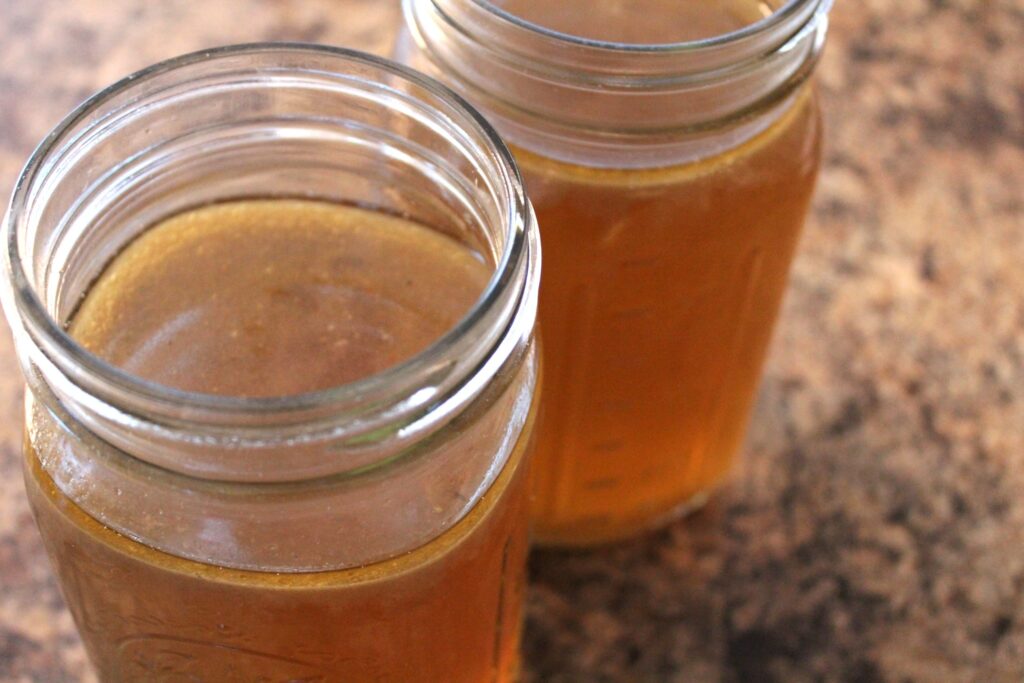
(875, 530)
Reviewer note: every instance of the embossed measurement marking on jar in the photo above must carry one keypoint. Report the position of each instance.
(612, 438)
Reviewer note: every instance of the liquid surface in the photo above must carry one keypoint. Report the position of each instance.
(641, 21)
(265, 298)
(660, 291)
(276, 297)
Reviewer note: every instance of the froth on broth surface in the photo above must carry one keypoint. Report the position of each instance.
(275, 297)
(641, 21)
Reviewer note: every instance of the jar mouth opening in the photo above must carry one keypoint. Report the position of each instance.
(778, 16)
(50, 334)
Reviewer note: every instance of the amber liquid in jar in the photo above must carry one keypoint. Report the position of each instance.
(641, 22)
(271, 298)
(660, 291)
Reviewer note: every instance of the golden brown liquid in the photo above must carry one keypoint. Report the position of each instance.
(275, 297)
(641, 21)
(659, 294)
(447, 612)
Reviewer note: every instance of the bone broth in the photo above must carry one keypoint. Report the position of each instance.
(659, 296)
(276, 297)
(275, 308)
(271, 298)
(670, 149)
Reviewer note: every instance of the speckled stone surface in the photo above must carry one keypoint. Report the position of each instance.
(875, 529)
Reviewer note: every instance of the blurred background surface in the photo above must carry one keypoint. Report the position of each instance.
(875, 530)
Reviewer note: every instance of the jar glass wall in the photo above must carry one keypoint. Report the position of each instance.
(374, 530)
(670, 150)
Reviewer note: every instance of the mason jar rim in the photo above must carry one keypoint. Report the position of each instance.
(42, 326)
(574, 60)
(619, 105)
(782, 13)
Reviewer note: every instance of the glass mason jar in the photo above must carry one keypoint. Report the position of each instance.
(371, 531)
(671, 181)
